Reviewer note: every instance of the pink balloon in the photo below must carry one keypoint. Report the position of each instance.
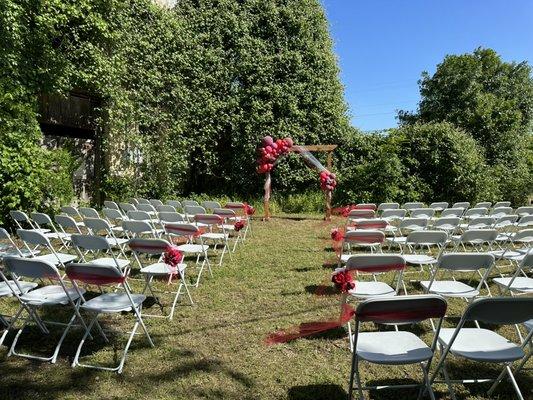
(274, 145)
(267, 141)
(289, 142)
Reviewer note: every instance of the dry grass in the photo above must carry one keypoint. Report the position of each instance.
(215, 349)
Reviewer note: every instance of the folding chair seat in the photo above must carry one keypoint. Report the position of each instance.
(193, 203)
(422, 213)
(165, 208)
(88, 212)
(396, 347)
(484, 345)
(43, 220)
(217, 233)
(73, 213)
(456, 263)
(11, 248)
(98, 244)
(418, 240)
(439, 205)
(127, 207)
(211, 205)
(99, 226)
(502, 204)
(387, 206)
(447, 224)
(523, 211)
(36, 299)
(452, 212)
(147, 249)
(156, 203)
(519, 282)
(191, 233)
(465, 205)
(36, 238)
(107, 303)
(21, 219)
(519, 246)
(369, 239)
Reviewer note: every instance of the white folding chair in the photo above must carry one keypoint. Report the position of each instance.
(485, 345)
(115, 218)
(412, 205)
(211, 205)
(525, 221)
(476, 212)
(360, 213)
(140, 200)
(393, 214)
(156, 202)
(165, 208)
(240, 210)
(127, 207)
(480, 240)
(423, 213)
(502, 204)
(478, 223)
(368, 239)
(191, 233)
(94, 245)
(111, 205)
(138, 215)
(387, 206)
(147, 208)
(11, 248)
(138, 229)
(447, 224)
(465, 205)
(500, 212)
(35, 238)
(407, 225)
(107, 303)
(73, 213)
(519, 282)
(216, 232)
(483, 204)
(419, 246)
(99, 226)
(145, 250)
(523, 211)
(88, 212)
(395, 347)
(230, 218)
(175, 203)
(193, 203)
(439, 205)
(22, 221)
(452, 212)
(47, 296)
(43, 220)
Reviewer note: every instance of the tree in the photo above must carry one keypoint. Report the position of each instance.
(490, 99)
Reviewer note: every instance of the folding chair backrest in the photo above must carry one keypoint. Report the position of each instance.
(132, 200)
(375, 262)
(91, 242)
(149, 246)
(476, 212)
(364, 237)
(112, 214)
(461, 204)
(427, 238)
(31, 268)
(524, 236)
(500, 310)
(143, 201)
(71, 211)
(502, 204)
(447, 222)
(373, 223)
(4, 235)
(174, 203)
(466, 261)
(526, 220)
(401, 309)
(209, 219)
(19, 216)
(189, 203)
(394, 213)
(481, 222)
(170, 217)
(235, 205)
(501, 211)
(111, 205)
(225, 212)
(506, 220)
(127, 207)
(66, 222)
(94, 274)
(146, 208)
(33, 237)
(138, 215)
(136, 227)
(452, 212)
(414, 223)
(87, 212)
(527, 210)
(182, 229)
(366, 206)
(483, 204)
(193, 210)
(211, 205)
(422, 212)
(165, 208)
(439, 205)
(156, 202)
(413, 205)
(361, 213)
(479, 235)
(41, 219)
(97, 225)
(527, 262)
(388, 206)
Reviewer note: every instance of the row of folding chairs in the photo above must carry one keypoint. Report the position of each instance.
(438, 206)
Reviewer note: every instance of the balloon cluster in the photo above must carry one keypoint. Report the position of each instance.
(269, 152)
(328, 181)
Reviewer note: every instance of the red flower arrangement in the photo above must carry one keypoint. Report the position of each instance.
(239, 225)
(172, 257)
(328, 181)
(269, 152)
(343, 280)
(337, 235)
(248, 209)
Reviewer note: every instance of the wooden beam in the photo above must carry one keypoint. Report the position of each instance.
(319, 147)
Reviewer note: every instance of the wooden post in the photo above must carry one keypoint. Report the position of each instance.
(266, 198)
(330, 160)
(328, 195)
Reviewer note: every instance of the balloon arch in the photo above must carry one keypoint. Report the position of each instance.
(272, 151)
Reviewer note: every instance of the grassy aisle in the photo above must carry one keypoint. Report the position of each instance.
(215, 349)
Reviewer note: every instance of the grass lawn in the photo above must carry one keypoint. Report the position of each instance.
(216, 348)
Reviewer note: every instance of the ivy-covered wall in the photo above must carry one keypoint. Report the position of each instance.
(186, 93)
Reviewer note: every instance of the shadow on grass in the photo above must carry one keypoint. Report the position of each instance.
(322, 290)
(317, 392)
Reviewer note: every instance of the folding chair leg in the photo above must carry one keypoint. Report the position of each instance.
(507, 370)
(448, 381)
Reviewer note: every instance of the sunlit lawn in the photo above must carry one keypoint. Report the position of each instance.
(216, 348)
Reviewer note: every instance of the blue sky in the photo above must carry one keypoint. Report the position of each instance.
(383, 46)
